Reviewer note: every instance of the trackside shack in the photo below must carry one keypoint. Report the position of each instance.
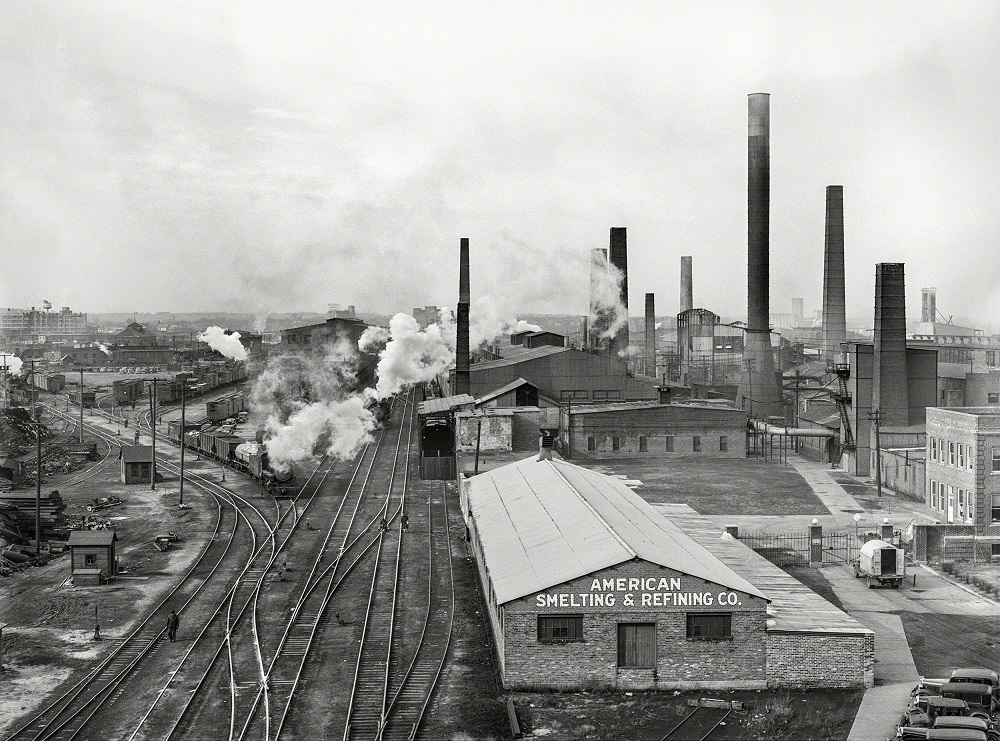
(588, 585)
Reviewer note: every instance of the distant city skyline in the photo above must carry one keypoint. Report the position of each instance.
(209, 156)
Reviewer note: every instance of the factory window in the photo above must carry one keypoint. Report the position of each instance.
(600, 395)
(615, 443)
(961, 455)
(723, 443)
(951, 453)
(696, 443)
(637, 645)
(993, 398)
(996, 459)
(933, 448)
(961, 503)
(994, 550)
(615, 394)
(560, 628)
(709, 626)
(591, 444)
(669, 443)
(90, 559)
(642, 443)
(969, 458)
(934, 494)
(995, 510)
(581, 395)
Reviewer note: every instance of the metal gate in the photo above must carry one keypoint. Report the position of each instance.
(793, 549)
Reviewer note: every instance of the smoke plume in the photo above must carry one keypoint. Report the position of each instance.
(308, 406)
(410, 355)
(13, 363)
(489, 318)
(102, 347)
(228, 345)
(607, 312)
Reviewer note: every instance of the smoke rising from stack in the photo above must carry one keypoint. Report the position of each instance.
(607, 313)
(489, 319)
(618, 258)
(834, 301)
(102, 347)
(228, 345)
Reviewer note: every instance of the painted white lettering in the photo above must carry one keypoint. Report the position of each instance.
(708, 598)
(609, 600)
(540, 600)
(595, 586)
(620, 584)
(552, 600)
(646, 600)
(675, 583)
(697, 599)
(633, 584)
(682, 600)
(609, 585)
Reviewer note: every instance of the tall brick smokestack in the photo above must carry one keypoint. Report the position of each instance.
(650, 336)
(928, 304)
(758, 391)
(618, 256)
(462, 380)
(834, 302)
(889, 393)
(687, 288)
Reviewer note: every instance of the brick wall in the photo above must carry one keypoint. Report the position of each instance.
(593, 661)
(812, 660)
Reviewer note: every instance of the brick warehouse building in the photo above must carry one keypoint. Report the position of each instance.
(587, 585)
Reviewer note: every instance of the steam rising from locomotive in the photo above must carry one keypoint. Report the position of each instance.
(410, 355)
(228, 345)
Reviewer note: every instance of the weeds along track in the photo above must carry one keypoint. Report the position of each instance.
(233, 540)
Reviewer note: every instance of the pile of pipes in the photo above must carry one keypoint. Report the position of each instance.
(14, 558)
(52, 510)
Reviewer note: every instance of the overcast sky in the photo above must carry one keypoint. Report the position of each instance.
(186, 156)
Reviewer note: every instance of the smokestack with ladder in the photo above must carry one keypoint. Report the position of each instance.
(889, 392)
(928, 305)
(462, 379)
(650, 368)
(834, 302)
(758, 390)
(618, 257)
(687, 292)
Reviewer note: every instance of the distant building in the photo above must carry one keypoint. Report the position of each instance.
(31, 325)
(335, 311)
(137, 464)
(93, 560)
(426, 316)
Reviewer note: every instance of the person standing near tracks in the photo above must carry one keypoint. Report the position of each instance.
(172, 623)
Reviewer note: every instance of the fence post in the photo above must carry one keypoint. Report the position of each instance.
(815, 543)
(733, 530)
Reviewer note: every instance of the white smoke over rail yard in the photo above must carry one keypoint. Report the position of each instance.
(411, 355)
(228, 345)
(12, 362)
(102, 347)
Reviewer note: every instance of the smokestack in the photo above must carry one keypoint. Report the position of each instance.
(585, 326)
(758, 391)
(928, 304)
(889, 392)
(650, 336)
(618, 256)
(834, 303)
(687, 292)
(798, 310)
(462, 378)
(598, 278)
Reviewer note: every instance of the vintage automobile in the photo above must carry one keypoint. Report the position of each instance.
(924, 709)
(904, 733)
(979, 697)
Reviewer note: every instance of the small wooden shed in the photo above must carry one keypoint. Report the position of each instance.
(92, 556)
(137, 464)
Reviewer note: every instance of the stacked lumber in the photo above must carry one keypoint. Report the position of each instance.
(51, 507)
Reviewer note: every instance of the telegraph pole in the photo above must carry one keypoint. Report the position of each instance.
(152, 425)
(81, 405)
(875, 416)
(180, 500)
(38, 474)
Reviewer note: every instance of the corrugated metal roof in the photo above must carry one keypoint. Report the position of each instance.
(445, 404)
(632, 406)
(542, 523)
(516, 383)
(521, 356)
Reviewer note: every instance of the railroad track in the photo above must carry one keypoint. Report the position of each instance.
(697, 725)
(91, 698)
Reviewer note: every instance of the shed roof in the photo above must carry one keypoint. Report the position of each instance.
(445, 404)
(518, 355)
(650, 404)
(542, 523)
(92, 537)
(137, 454)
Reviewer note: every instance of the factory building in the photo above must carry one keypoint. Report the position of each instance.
(562, 374)
(38, 325)
(710, 354)
(318, 337)
(587, 585)
(652, 429)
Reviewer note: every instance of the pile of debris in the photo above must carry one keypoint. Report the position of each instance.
(21, 506)
(14, 558)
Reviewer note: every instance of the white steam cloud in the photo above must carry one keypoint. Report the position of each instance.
(410, 355)
(308, 405)
(102, 347)
(13, 363)
(489, 318)
(228, 345)
(607, 312)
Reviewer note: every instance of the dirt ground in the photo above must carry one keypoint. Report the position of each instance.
(940, 643)
(717, 486)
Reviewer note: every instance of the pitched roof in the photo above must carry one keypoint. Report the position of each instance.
(543, 523)
(92, 537)
(518, 355)
(445, 404)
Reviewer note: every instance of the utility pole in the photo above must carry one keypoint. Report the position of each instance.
(152, 425)
(81, 405)
(875, 416)
(6, 403)
(180, 500)
(38, 474)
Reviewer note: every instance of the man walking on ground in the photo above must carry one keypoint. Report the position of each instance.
(172, 622)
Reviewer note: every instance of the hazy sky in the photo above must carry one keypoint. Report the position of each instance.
(281, 156)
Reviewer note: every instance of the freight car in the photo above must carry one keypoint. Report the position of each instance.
(244, 455)
(127, 390)
(51, 382)
(252, 457)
